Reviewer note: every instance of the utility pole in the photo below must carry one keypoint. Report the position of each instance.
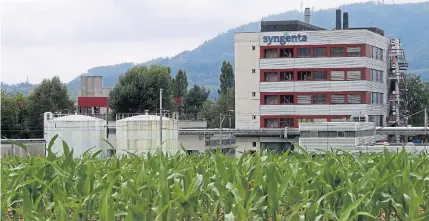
(426, 123)
(220, 131)
(160, 118)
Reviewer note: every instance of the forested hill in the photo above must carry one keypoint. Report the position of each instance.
(406, 21)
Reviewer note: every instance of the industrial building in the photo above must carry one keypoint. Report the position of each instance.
(293, 72)
(93, 98)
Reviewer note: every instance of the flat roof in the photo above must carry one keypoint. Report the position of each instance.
(292, 25)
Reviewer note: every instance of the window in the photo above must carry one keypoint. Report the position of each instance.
(305, 134)
(253, 48)
(377, 76)
(319, 99)
(286, 76)
(354, 99)
(271, 53)
(254, 117)
(320, 76)
(286, 52)
(373, 52)
(375, 98)
(337, 75)
(271, 99)
(303, 52)
(253, 94)
(286, 122)
(253, 71)
(353, 52)
(327, 134)
(337, 52)
(253, 144)
(341, 134)
(305, 120)
(271, 76)
(303, 99)
(320, 52)
(350, 134)
(304, 75)
(286, 99)
(271, 123)
(354, 75)
(96, 110)
(337, 99)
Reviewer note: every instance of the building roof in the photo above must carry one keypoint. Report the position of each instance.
(292, 25)
(144, 117)
(77, 118)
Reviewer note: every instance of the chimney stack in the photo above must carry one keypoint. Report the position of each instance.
(338, 20)
(346, 20)
(307, 15)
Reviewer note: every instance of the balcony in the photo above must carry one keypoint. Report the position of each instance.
(394, 97)
(398, 55)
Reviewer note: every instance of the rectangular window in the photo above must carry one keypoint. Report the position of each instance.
(320, 120)
(337, 52)
(381, 54)
(320, 76)
(271, 123)
(286, 122)
(254, 144)
(271, 53)
(320, 52)
(253, 71)
(353, 52)
(286, 99)
(305, 120)
(327, 134)
(271, 76)
(341, 134)
(254, 117)
(303, 52)
(270, 99)
(380, 76)
(253, 48)
(286, 52)
(354, 99)
(337, 75)
(337, 99)
(303, 99)
(304, 75)
(319, 99)
(375, 98)
(305, 134)
(373, 75)
(253, 94)
(354, 75)
(286, 76)
(350, 134)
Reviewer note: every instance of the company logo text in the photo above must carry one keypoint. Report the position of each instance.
(284, 39)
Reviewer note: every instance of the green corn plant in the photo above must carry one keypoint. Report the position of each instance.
(334, 185)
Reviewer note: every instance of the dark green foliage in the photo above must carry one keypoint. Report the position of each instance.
(180, 85)
(417, 99)
(226, 78)
(195, 99)
(49, 96)
(138, 90)
(225, 105)
(13, 116)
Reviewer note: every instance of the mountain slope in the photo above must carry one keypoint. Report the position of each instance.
(406, 21)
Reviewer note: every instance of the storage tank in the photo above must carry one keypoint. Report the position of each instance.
(80, 132)
(140, 134)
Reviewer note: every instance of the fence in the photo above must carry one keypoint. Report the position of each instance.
(35, 147)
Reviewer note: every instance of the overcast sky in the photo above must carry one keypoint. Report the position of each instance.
(43, 38)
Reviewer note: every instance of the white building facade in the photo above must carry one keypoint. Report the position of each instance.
(286, 78)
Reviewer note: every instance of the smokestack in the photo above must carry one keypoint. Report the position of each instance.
(346, 20)
(307, 15)
(338, 20)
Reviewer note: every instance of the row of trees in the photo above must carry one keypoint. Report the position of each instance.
(136, 91)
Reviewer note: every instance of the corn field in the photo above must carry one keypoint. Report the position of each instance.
(213, 186)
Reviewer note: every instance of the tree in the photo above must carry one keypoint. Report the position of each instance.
(180, 85)
(195, 99)
(226, 77)
(50, 96)
(225, 105)
(13, 116)
(179, 90)
(138, 90)
(417, 99)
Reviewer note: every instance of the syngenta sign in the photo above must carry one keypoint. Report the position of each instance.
(284, 39)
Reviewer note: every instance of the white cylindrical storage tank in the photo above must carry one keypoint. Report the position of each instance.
(141, 134)
(80, 132)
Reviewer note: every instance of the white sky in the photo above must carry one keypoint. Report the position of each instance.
(43, 38)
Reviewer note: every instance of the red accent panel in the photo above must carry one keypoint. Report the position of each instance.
(93, 102)
(297, 117)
